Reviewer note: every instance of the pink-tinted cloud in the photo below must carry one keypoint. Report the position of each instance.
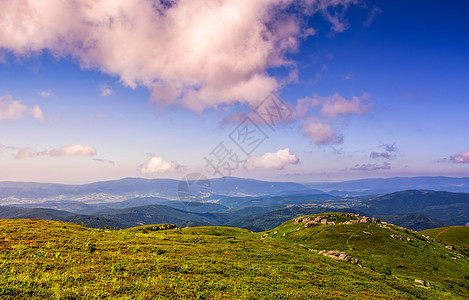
(337, 105)
(157, 164)
(371, 167)
(278, 160)
(461, 158)
(320, 132)
(37, 113)
(74, 150)
(198, 53)
(69, 150)
(11, 110)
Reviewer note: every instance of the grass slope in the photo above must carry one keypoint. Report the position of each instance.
(373, 245)
(57, 260)
(456, 236)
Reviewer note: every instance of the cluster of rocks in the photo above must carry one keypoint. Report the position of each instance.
(449, 247)
(309, 221)
(422, 284)
(398, 237)
(340, 256)
(458, 255)
(312, 221)
(384, 225)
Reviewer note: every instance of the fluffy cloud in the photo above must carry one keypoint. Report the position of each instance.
(462, 157)
(158, 165)
(178, 49)
(320, 132)
(372, 167)
(337, 105)
(14, 110)
(327, 108)
(277, 160)
(69, 150)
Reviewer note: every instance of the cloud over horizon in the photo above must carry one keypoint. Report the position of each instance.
(461, 158)
(277, 160)
(69, 150)
(157, 164)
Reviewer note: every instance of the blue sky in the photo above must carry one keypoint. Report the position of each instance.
(143, 99)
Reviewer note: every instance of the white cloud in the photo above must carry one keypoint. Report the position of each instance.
(181, 50)
(44, 94)
(158, 165)
(74, 150)
(462, 157)
(12, 109)
(277, 160)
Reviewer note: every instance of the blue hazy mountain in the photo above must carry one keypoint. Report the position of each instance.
(394, 184)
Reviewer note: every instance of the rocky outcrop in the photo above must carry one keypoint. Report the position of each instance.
(340, 256)
(397, 237)
(422, 283)
(323, 220)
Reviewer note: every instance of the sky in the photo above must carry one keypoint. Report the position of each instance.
(284, 90)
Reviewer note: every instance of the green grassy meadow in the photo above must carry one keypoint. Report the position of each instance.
(57, 260)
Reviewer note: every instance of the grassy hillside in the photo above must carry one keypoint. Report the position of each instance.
(456, 236)
(56, 260)
(413, 259)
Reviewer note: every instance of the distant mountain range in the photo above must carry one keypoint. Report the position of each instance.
(127, 188)
(248, 203)
(394, 184)
(110, 191)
